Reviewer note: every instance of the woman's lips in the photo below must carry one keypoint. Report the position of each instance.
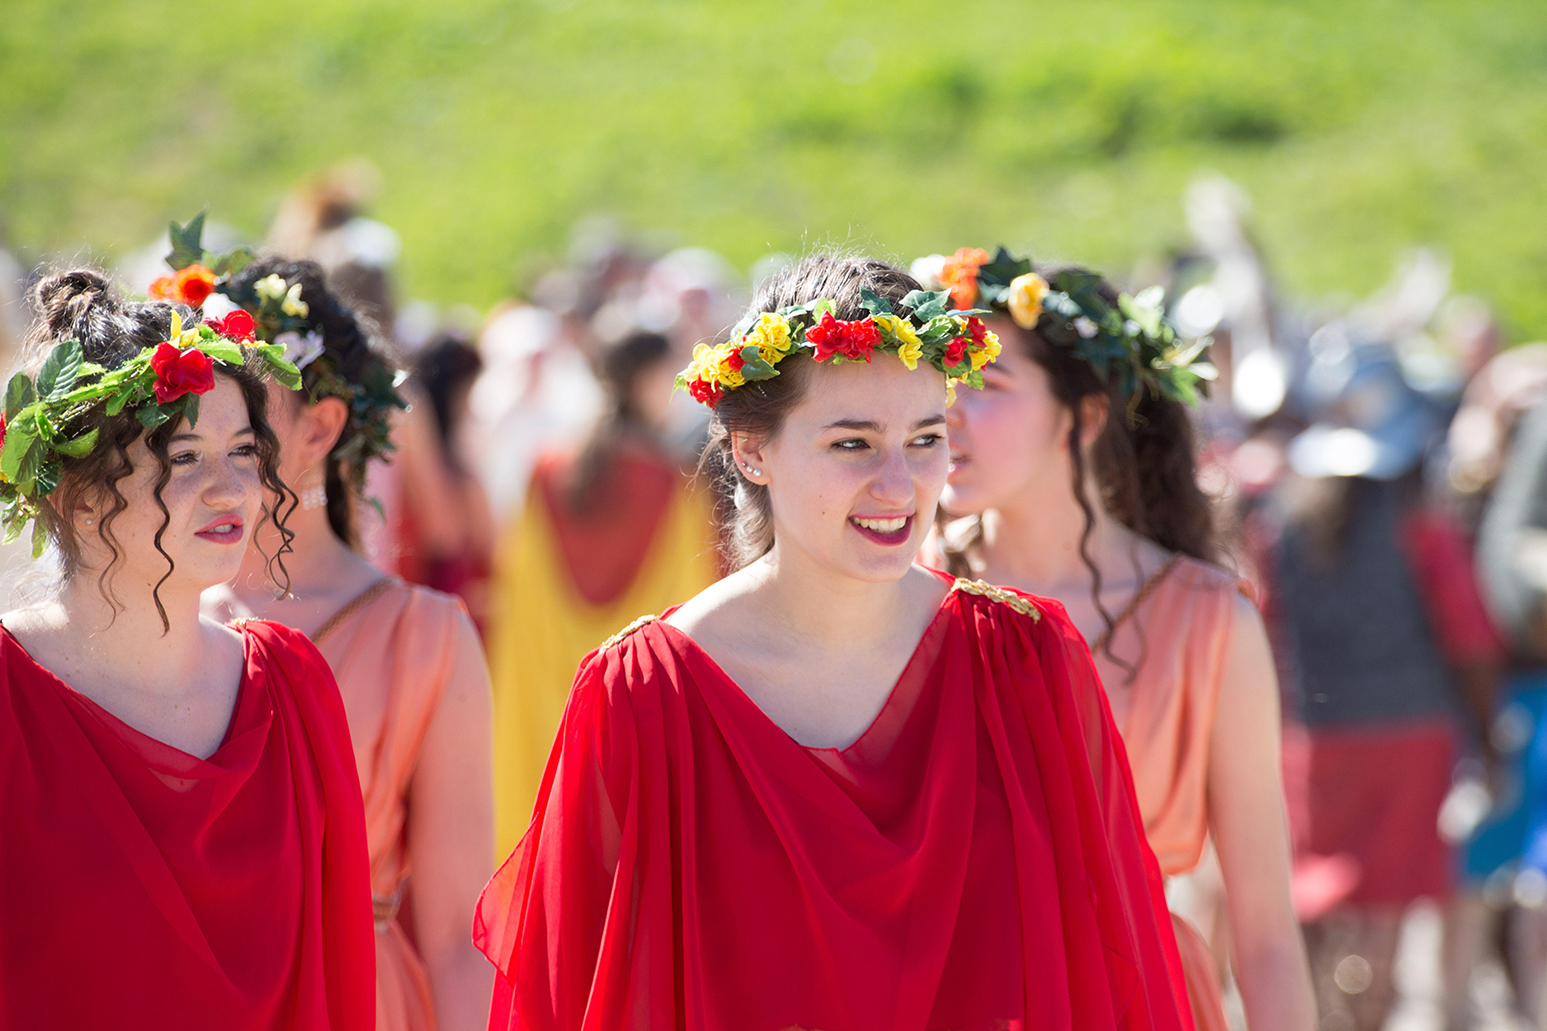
(886, 531)
(958, 463)
(223, 531)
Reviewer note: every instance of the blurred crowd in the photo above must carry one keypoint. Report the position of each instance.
(1380, 464)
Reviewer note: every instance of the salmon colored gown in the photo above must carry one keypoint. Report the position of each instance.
(393, 659)
(1181, 634)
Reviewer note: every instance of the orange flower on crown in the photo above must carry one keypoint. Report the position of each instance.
(190, 286)
(959, 275)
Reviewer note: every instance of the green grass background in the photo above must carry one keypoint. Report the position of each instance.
(1360, 129)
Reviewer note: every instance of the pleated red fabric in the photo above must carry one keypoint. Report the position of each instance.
(974, 861)
(144, 888)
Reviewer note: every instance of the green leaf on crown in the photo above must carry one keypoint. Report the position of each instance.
(874, 303)
(21, 437)
(756, 367)
(186, 246)
(80, 447)
(223, 350)
(233, 261)
(59, 370)
(152, 416)
(48, 477)
(18, 395)
(190, 406)
(927, 304)
(39, 540)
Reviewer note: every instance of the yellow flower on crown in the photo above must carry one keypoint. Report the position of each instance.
(988, 352)
(182, 338)
(729, 376)
(771, 334)
(1024, 299)
(909, 347)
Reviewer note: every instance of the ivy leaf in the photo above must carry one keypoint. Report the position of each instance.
(186, 246)
(152, 416)
(927, 304)
(874, 303)
(191, 409)
(80, 447)
(18, 395)
(284, 372)
(233, 261)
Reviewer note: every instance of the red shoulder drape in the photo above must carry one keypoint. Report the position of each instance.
(144, 888)
(975, 860)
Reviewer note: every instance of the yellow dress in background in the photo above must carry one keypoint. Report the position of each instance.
(541, 626)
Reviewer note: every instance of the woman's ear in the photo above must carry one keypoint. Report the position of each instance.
(749, 457)
(322, 424)
(1093, 418)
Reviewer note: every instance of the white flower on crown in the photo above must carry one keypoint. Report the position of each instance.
(300, 350)
(1085, 327)
(271, 287)
(927, 271)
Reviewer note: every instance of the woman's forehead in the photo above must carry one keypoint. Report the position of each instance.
(883, 391)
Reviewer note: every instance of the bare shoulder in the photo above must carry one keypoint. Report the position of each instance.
(726, 600)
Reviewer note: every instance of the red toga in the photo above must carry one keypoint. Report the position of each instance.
(974, 861)
(144, 888)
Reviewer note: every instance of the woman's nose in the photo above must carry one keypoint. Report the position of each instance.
(227, 486)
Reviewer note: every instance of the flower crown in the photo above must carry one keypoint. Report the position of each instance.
(1133, 343)
(957, 343)
(39, 426)
(282, 317)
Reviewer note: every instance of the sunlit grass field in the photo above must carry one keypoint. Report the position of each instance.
(1359, 128)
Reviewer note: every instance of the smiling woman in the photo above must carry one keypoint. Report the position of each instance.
(908, 792)
(192, 779)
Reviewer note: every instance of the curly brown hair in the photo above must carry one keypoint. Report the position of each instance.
(1144, 461)
(81, 304)
(354, 349)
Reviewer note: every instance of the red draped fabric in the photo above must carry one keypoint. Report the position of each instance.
(974, 861)
(144, 888)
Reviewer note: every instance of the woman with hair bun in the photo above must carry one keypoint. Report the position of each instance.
(835, 789)
(179, 810)
(1075, 469)
(408, 660)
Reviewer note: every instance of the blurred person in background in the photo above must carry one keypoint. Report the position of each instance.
(446, 541)
(1512, 552)
(408, 659)
(1489, 917)
(1375, 604)
(612, 528)
(1081, 486)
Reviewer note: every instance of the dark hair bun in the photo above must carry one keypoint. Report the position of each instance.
(65, 298)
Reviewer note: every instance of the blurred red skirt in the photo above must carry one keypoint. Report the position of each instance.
(1364, 806)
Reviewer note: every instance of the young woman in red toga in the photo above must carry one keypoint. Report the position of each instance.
(836, 790)
(182, 844)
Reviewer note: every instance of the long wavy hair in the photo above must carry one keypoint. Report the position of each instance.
(81, 304)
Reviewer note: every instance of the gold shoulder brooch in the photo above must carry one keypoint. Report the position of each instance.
(999, 594)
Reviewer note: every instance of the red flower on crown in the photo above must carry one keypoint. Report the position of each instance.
(956, 350)
(181, 372)
(2, 431)
(238, 325)
(706, 392)
(855, 341)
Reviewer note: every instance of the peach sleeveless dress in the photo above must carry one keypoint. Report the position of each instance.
(1180, 633)
(393, 657)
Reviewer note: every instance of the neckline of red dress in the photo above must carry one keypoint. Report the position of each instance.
(891, 694)
(133, 732)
